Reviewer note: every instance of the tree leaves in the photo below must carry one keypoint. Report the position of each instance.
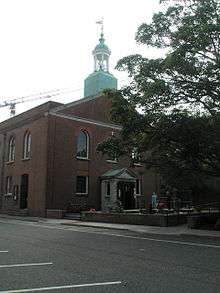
(170, 112)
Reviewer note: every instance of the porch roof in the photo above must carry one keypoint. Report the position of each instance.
(122, 173)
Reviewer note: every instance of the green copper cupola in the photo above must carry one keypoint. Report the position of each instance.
(100, 79)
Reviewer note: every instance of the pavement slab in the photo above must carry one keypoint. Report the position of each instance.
(181, 230)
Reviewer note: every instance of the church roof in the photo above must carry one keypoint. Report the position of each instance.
(101, 46)
(97, 81)
(100, 79)
(122, 173)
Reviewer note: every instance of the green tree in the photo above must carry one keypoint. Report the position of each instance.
(170, 112)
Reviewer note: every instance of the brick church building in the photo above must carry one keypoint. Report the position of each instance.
(48, 159)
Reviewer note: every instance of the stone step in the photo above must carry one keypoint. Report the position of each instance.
(72, 216)
(15, 212)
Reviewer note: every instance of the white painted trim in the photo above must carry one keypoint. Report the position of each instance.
(139, 183)
(87, 145)
(87, 185)
(75, 103)
(83, 159)
(62, 287)
(85, 120)
(8, 194)
(138, 165)
(112, 161)
(9, 162)
(3, 251)
(26, 265)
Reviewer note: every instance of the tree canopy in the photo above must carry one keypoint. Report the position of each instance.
(188, 76)
(170, 112)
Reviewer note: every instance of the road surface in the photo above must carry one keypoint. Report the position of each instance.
(44, 257)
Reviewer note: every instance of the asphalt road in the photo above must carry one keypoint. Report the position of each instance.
(42, 257)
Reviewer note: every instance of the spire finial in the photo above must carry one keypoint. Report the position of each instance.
(101, 22)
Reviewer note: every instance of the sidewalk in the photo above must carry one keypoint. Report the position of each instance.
(181, 230)
(175, 230)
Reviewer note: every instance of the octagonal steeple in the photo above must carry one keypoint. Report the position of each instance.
(101, 55)
(100, 79)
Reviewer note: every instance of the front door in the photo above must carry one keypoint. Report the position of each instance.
(24, 191)
(126, 194)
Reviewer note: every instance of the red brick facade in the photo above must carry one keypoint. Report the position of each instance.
(53, 166)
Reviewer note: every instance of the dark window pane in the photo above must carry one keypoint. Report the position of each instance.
(27, 146)
(11, 149)
(137, 186)
(81, 184)
(108, 188)
(8, 185)
(112, 157)
(82, 145)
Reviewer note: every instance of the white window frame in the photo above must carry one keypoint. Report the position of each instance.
(11, 149)
(134, 155)
(27, 146)
(115, 161)
(87, 145)
(87, 185)
(8, 185)
(139, 186)
(106, 188)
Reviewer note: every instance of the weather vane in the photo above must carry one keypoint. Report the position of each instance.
(101, 22)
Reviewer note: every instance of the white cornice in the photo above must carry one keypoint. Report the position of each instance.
(75, 103)
(85, 120)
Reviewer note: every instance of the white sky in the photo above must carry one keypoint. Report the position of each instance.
(47, 44)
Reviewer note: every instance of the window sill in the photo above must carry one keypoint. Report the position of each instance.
(138, 165)
(81, 194)
(10, 162)
(26, 159)
(112, 161)
(83, 159)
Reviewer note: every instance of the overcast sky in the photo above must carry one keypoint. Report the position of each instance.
(47, 44)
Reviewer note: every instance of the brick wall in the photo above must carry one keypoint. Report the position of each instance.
(64, 167)
(35, 167)
(96, 109)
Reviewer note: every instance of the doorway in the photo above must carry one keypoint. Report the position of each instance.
(24, 191)
(126, 194)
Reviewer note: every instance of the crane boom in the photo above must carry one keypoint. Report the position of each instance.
(43, 95)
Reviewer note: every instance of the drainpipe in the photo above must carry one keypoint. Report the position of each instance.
(2, 170)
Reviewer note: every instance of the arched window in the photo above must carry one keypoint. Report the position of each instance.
(11, 149)
(27, 146)
(83, 145)
(136, 157)
(8, 185)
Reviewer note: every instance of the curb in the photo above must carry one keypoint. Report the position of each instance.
(210, 237)
(216, 237)
(42, 220)
(146, 232)
(21, 218)
(100, 227)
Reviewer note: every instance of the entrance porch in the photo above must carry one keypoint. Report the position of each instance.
(118, 190)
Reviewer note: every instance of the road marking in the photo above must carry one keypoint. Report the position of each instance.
(168, 241)
(26, 265)
(62, 287)
(3, 251)
(123, 236)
